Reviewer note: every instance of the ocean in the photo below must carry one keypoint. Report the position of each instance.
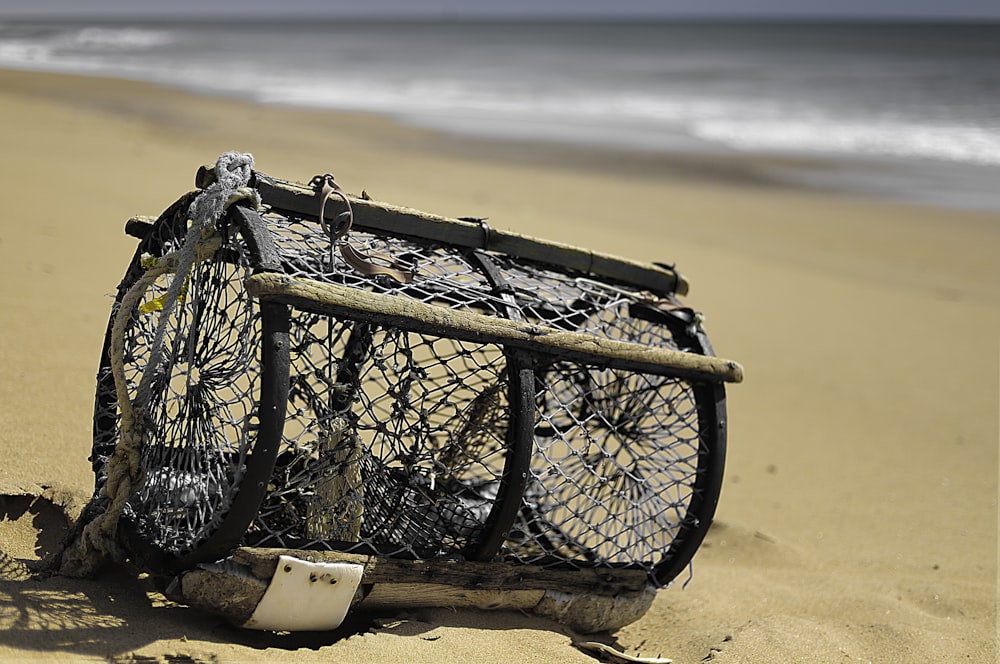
(902, 111)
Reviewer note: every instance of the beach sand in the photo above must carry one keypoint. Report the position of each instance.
(858, 519)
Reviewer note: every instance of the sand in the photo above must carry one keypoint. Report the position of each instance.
(858, 520)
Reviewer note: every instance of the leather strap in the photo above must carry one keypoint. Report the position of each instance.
(361, 262)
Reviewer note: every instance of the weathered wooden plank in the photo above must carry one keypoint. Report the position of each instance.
(409, 314)
(220, 590)
(586, 600)
(414, 595)
(261, 563)
(377, 216)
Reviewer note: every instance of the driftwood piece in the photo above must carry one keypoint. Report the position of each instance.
(398, 220)
(587, 600)
(223, 589)
(409, 314)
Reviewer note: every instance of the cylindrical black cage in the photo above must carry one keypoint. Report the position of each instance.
(516, 401)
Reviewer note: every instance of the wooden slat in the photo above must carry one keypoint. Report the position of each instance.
(395, 596)
(409, 314)
(376, 216)
(458, 574)
(585, 600)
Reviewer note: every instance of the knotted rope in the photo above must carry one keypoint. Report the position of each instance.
(96, 538)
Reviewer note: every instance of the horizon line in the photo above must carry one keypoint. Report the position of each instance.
(459, 17)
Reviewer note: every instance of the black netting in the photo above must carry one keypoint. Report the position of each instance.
(202, 412)
(445, 276)
(405, 439)
(394, 441)
(615, 462)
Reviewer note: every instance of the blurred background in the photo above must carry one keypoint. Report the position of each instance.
(895, 99)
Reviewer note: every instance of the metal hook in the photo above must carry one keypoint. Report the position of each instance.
(329, 187)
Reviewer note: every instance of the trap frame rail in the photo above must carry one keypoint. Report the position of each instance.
(518, 405)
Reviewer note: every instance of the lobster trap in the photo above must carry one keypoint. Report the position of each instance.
(355, 398)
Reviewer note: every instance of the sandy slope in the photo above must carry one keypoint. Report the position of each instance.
(859, 515)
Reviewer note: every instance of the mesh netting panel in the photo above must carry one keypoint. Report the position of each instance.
(393, 441)
(203, 397)
(567, 300)
(444, 275)
(615, 460)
